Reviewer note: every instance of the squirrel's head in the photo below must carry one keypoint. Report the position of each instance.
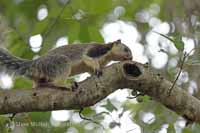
(120, 51)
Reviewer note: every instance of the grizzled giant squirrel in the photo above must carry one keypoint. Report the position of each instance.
(51, 69)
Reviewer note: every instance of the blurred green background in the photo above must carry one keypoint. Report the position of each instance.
(29, 28)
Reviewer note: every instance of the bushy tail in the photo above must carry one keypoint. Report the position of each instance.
(11, 64)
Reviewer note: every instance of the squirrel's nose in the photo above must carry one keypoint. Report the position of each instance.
(128, 57)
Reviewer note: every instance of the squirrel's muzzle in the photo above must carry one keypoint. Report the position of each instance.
(128, 57)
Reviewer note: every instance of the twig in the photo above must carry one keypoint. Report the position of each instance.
(12, 116)
(137, 95)
(179, 73)
(88, 119)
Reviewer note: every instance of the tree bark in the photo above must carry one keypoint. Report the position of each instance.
(129, 74)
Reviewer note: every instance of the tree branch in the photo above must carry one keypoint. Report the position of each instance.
(120, 75)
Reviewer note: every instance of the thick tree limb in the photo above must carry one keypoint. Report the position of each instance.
(117, 76)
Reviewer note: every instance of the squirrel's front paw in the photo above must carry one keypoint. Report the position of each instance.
(74, 85)
(98, 72)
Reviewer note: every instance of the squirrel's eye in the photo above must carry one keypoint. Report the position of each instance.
(126, 49)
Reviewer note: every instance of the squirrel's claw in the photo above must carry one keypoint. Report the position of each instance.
(98, 73)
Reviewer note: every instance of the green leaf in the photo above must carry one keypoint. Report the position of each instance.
(143, 99)
(4, 124)
(170, 73)
(40, 116)
(109, 106)
(21, 82)
(177, 41)
(187, 130)
(88, 111)
(18, 47)
(171, 129)
(84, 35)
(92, 6)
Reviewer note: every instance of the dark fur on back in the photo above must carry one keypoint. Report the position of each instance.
(99, 50)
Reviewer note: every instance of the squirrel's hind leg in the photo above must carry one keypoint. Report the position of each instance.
(52, 86)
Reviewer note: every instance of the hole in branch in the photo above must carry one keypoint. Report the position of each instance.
(54, 105)
(132, 70)
(5, 98)
(34, 94)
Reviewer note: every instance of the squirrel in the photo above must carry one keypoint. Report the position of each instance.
(52, 68)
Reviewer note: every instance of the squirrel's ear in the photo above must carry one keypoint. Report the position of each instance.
(118, 41)
(115, 43)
